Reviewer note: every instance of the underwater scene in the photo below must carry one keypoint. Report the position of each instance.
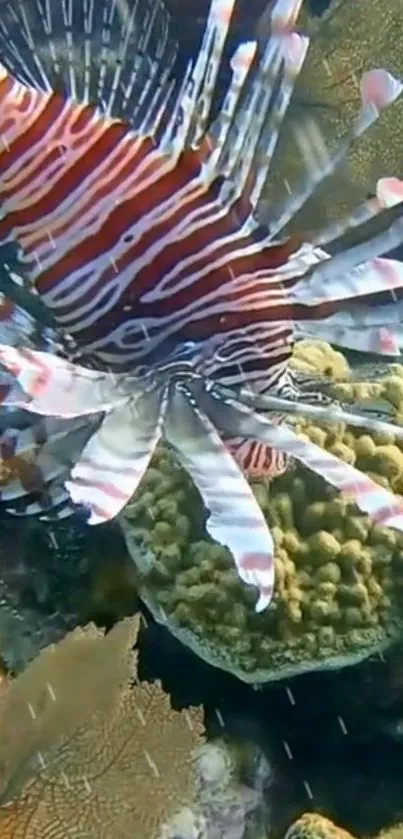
(201, 419)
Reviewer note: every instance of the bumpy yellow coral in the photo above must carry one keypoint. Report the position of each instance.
(314, 356)
(339, 577)
(315, 826)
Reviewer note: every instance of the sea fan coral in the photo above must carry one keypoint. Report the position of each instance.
(84, 754)
(87, 751)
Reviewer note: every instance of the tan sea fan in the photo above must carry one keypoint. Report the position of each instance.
(86, 754)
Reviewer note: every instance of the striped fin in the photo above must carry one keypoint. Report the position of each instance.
(329, 282)
(235, 519)
(256, 459)
(55, 387)
(115, 459)
(378, 340)
(389, 192)
(244, 145)
(379, 89)
(322, 413)
(35, 461)
(382, 506)
(196, 98)
(116, 53)
(367, 328)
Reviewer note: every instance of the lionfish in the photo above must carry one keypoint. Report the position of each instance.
(132, 199)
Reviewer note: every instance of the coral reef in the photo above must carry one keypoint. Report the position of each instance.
(315, 826)
(84, 751)
(314, 357)
(339, 577)
(44, 575)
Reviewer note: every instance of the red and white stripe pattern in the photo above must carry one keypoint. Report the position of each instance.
(257, 459)
(115, 459)
(144, 245)
(235, 518)
(380, 504)
(134, 247)
(50, 385)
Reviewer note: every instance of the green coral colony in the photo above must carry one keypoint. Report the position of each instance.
(339, 578)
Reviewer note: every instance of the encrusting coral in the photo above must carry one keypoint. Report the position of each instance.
(315, 826)
(315, 357)
(339, 577)
(84, 752)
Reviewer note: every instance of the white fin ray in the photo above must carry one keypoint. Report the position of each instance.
(102, 51)
(221, 130)
(251, 133)
(382, 506)
(249, 162)
(321, 413)
(379, 89)
(372, 276)
(235, 519)
(294, 50)
(195, 98)
(365, 212)
(52, 386)
(378, 340)
(116, 457)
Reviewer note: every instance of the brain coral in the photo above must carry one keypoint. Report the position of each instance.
(339, 578)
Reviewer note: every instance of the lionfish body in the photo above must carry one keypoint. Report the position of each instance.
(135, 222)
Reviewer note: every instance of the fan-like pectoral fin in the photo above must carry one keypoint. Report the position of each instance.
(116, 457)
(235, 519)
(380, 504)
(52, 386)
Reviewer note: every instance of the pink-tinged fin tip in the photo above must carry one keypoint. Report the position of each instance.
(235, 519)
(380, 504)
(294, 48)
(116, 457)
(243, 57)
(389, 191)
(388, 342)
(53, 386)
(379, 89)
(284, 16)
